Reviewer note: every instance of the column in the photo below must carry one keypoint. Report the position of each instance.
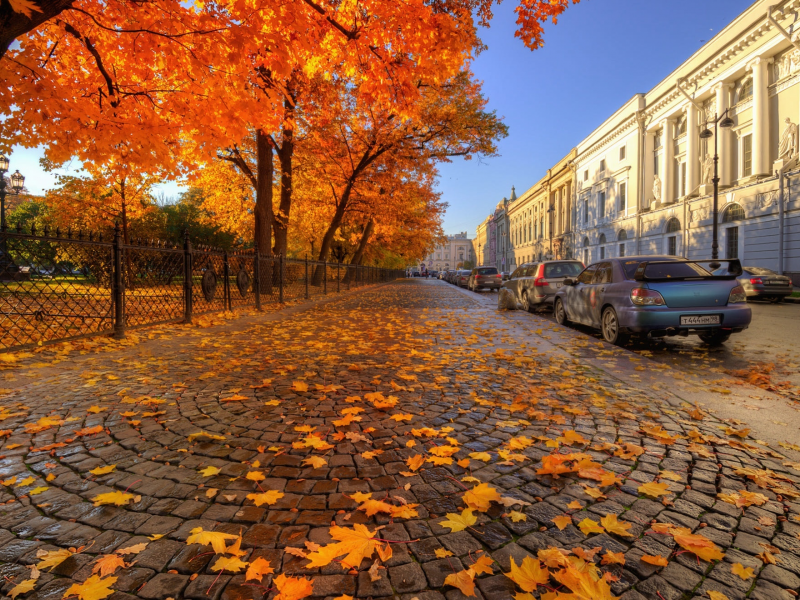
(666, 168)
(761, 164)
(724, 143)
(692, 154)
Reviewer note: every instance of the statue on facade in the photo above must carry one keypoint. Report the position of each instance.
(708, 169)
(787, 149)
(657, 188)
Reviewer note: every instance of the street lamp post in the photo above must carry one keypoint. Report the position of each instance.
(550, 212)
(480, 262)
(725, 121)
(17, 183)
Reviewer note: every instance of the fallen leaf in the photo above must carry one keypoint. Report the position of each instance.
(94, 588)
(460, 522)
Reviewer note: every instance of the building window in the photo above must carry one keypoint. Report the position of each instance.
(732, 242)
(745, 90)
(586, 175)
(623, 197)
(655, 164)
(602, 240)
(622, 249)
(602, 252)
(601, 203)
(586, 211)
(622, 153)
(586, 251)
(733, 213)
(747, 155)
(602, 165)
(673, 225)
(672, 245)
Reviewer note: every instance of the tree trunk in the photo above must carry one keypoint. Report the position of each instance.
(14, 25)
(263, 211)
(285, 155)
(358, 257)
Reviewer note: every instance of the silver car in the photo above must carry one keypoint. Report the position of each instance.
(536, 284)
(656, 296)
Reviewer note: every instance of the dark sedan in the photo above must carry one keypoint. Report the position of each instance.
(656, 296)
(765, 284)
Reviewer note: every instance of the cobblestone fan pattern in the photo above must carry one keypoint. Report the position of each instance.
(195, 434)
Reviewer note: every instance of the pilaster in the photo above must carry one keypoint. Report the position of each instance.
(759, 68)
(724, 143)
(692, 151)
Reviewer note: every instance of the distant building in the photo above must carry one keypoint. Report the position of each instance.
(457, 250)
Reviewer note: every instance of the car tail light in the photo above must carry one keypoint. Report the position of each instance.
(498, 275)
(737, 295)
(645, 297)
(756, 281)
(540, 282)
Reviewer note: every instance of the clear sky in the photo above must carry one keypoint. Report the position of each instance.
(600, 54)
(597, 57)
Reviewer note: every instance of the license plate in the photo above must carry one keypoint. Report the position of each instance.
(776, 282)
(558, 285)
(700, 320)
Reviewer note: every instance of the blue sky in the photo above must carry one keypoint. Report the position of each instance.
(597, 57)
(600, 54)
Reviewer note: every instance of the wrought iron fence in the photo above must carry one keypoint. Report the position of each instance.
(59, 285)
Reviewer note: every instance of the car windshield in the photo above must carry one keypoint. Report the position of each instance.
(759, 271)
(487, 271)
(562, 269)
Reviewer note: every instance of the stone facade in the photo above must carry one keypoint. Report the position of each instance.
(456, 250)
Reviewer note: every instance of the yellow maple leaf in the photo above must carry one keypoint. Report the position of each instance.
(656, 560)
(399, 418)
(269, 497)
(103, 470)
(215, 538)
(52, 558)
(703, 547)
(463, 580)
(574, 505)
(94, 588)
(480, 497)
(529, 574)
(742, 571)
(315, 462)
(460, 522)
(714, 595)
(38, 490)
(357, 543)
(373, 507)
(209, 471)
(654, 489)
(442, 553)
(483, 565)
(612, 525)
(517, 516)
(232, 564)
(588, 526)
(25, 482)
(299, 386)
(292, 588)
(613, 558)
(23, 587)
(117, 498)
(483, 456)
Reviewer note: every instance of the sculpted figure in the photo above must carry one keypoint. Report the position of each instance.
(657, 188)
(708, 169)
(788, 145)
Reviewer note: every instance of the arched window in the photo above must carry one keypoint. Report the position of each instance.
(622, 235)
(733, 213)
(586, 242)
(602, 239)
(673, 225)
(745, 91)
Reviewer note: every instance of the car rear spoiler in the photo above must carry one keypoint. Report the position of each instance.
(733, 271)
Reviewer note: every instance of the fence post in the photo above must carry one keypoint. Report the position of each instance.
(257, 278)
(307, 296)
(338, 279)
(117, 291)
(187, 278)
(226, 295)
(280, 278)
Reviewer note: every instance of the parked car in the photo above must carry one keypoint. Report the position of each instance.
(433, 273)
(443, 275)
(655, 297)
(536, 284)
(462, 279)
(505, 275)
(484, 277)
(759, 282)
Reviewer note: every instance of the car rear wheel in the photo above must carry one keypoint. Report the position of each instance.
(560, 312)
(526, 305)
(610, 328)
(714, 338)
(777, 299)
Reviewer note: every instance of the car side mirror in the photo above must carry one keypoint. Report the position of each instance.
(569, 281)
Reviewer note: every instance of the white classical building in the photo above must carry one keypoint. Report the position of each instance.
(643, 179)
(457, 250)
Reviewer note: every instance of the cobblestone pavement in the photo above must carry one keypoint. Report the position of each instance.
(440, 408)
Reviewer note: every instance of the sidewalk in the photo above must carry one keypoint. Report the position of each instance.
(396, 408)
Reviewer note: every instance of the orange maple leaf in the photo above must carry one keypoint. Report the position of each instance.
(529, 575)
(292, 588)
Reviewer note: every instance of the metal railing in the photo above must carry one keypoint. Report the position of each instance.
(56, 286)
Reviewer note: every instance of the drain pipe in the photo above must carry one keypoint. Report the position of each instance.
(781, 217)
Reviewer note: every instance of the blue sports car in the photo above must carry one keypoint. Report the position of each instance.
(656, 296)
